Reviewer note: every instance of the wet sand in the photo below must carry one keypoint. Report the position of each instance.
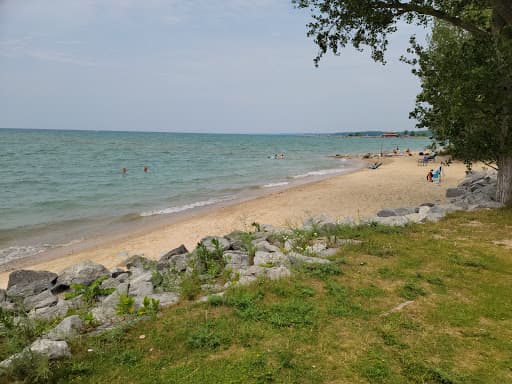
(399, 182)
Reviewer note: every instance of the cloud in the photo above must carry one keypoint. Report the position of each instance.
(24, 48)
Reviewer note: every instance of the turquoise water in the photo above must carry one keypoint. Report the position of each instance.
(56, 186)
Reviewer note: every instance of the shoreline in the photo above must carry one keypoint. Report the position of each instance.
(360, 192)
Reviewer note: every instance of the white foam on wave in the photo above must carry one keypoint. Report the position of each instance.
(321, 172)
(19, 252)
(273, 185)
(181, 208)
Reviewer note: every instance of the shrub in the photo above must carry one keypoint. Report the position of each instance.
(126, 305)
(89, 293)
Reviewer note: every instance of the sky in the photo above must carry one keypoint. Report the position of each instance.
(226, 66)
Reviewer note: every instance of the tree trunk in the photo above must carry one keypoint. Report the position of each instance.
(504, 192)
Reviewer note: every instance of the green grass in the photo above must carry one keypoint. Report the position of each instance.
(332, 324)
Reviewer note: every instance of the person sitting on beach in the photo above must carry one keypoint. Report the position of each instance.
(425, 159)
(430, 175)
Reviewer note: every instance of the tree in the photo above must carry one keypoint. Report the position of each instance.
(480, 29)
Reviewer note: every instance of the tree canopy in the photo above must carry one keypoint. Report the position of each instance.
(466, 70)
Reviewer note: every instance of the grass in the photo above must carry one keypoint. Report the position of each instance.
(331, 324)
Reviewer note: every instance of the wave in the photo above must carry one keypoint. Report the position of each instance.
(19, 252)
(185, 207)
(273, 185)
(321, 172)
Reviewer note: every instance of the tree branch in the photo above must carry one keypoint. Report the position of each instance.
(490, 165)
(429, 11)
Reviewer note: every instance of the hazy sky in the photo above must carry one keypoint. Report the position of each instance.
(189, 65)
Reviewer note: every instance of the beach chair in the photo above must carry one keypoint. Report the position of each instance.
(374, 165)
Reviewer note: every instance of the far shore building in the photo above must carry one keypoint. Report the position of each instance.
(390, 134)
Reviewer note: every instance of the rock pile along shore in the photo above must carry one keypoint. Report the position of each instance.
(89, 297)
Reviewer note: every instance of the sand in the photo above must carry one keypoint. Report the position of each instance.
(399, 182)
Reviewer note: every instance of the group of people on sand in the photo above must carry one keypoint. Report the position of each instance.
(435, 176)
(124, 170)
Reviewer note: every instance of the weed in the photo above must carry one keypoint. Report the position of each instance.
(190, 286)
(322, 271)
(126, 305)
(210, 335)
(149, 307)
(411, 290)
(89, 292)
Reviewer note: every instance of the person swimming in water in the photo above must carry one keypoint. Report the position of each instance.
(146, 168)
(124, 170)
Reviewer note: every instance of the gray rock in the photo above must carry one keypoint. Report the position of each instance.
(27, 283)
(117, 271)
(390, 220)
(178, 263)
(51, 348)
(59, 310)
(107, 310)
(348, 221)
(3, 295)
(84, 272)
(277, 272)
(223, 243)
(387, 212)
(236, 260)
(41, 300)
(166, 298)
(329, 252)
(66, 329)
(297, 258)
(140, 262)
(275, 258)
(454, 192)
(288, 245)
(114, 282)
(176, 251)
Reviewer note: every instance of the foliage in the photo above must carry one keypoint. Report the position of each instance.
(466, 71)
(190, 286)
(149, 307)
(211, 261)
(89, 292)
(126, 305)
(334, 328)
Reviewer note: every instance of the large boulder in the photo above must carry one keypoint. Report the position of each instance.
(176, 259)
(236, 260)
(208, 242)
(51, 348)
(84, 272)
(27, 283)
(276, 273)
(66, 329)
(454, 192)
(41, 300)
(107, 310)
(165, 298)
(59, 310)
(270, 258)
(297, 258)
(140, 262)
(391, 220)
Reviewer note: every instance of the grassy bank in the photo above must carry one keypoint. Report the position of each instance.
(336, 323)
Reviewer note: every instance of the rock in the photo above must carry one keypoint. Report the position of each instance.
(235, 238)
(348, 221)
(27, 283)
(318, 246)
(51, 348)
(223, 243)
(329, 252)
(288, 245)
(107, 310)
(236, 260)
(454, 192)
(318, 221)
(41, 300)
(274, 258)
(66, 329)
(140, 262)
(427, 205)
(117, 271)
(113, 282)
(166, 298)
(3, 296)
(386, 213)
(267, 228)
(178, 263)
(297, 258)
(176, 251)
(390, 220)
(84, 272)
(277, 272)
(59, 310)
(250, 275)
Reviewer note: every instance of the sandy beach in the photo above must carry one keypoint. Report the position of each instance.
(399, 182)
